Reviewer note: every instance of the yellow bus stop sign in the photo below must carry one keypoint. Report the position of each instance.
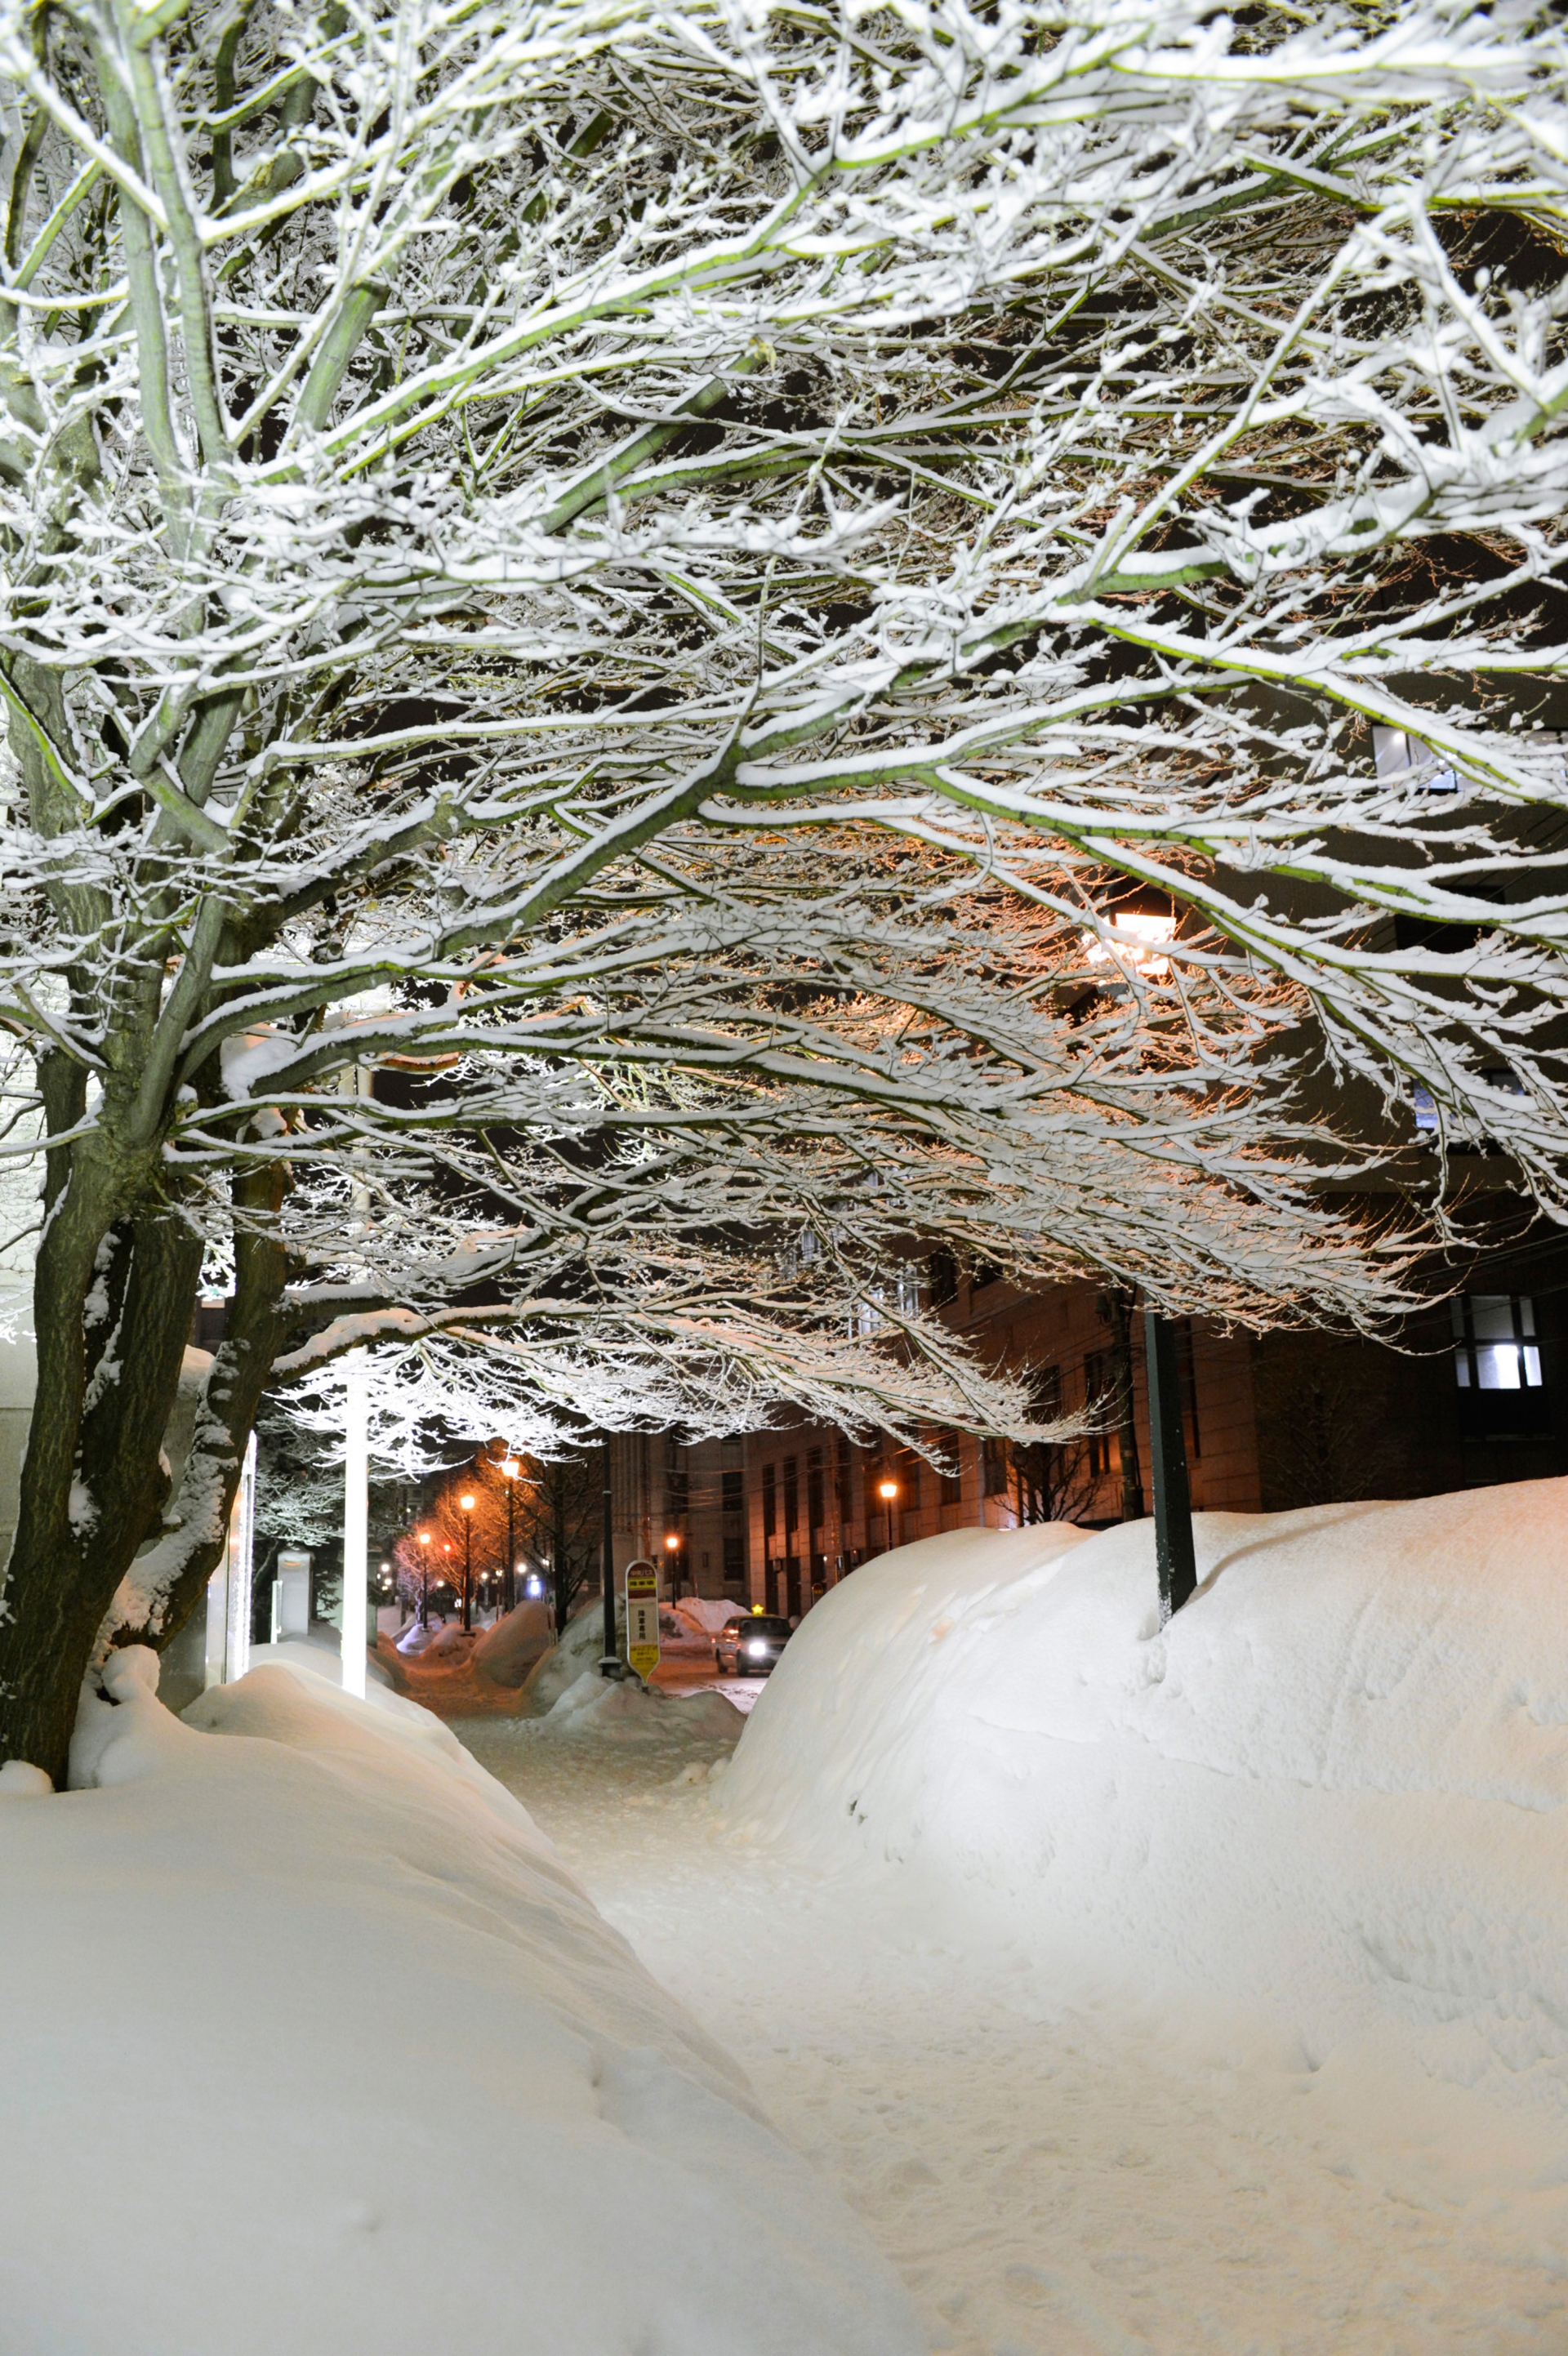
(642, 1618)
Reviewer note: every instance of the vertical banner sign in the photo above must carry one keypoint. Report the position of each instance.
(642, 1618)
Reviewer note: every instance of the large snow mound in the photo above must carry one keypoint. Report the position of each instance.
(580, 1649)
(623, 1710)
(508, 1650)
(1333, 1787)
(221, 2140)
(321, 1652)
(706, 1614)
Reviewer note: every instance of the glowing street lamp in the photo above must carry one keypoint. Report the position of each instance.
(673, 1548)
(510, 1468)
(888, 1491)
(467, 1502)
(1137, 937)
(424, 1581)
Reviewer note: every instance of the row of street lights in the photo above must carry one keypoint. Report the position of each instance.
(510, 1468)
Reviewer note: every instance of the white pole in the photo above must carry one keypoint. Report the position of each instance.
(356, 1518)
(241, 1566)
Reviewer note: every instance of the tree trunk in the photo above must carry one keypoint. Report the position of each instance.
(114, 1305)
(170, 1581)
(111, 1322)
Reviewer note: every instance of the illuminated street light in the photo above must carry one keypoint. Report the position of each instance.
(888, 1491)
(510, 1468)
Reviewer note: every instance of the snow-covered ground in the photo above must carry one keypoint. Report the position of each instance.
(1197, 1992)
(1167, 1994)
(311, 2046)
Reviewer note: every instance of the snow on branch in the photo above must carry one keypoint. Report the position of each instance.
(612, 611)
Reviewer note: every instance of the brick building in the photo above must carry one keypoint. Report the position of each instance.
(1475, 1392)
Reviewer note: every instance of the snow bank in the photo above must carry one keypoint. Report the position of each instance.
(1334, 1787)
(321, 1652)
(506, 1652)
(221, 2140)
(706, 1614)
(624, 1710)
(579, 1649)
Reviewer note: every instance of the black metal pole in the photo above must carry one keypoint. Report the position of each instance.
(607, 1557)
(508, 1583)
(1167, 1448)
(468, 1571)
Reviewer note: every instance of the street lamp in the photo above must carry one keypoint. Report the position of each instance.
(466, 1502)
(424, 1581)
(510, 1468)
(888, 1491)
(673, 1548)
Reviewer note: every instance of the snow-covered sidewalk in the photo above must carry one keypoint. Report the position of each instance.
(1059, 2163)
(311, 2049)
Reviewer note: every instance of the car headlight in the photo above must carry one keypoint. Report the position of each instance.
(756, 1651)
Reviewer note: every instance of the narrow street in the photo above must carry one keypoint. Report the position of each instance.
(1055, 2172)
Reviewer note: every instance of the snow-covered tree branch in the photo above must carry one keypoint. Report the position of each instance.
(673, 584)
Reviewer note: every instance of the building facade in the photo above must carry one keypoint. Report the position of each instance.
(1473, 1392)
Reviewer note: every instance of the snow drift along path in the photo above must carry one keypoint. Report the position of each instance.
(1332, 1791)
(1012, 2040)
(221, 2140)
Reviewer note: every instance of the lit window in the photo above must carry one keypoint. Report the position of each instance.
(1425, 1109)
(1494, 1346)
(1395, 753)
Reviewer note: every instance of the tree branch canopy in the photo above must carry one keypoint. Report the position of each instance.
(656, 657)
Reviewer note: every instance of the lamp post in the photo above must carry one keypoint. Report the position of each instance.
(510, 1468)
(673, 1548)
(888, 1491)
(466, 1502)
(1173, 1552)
(424, 1579)
(446, 1550)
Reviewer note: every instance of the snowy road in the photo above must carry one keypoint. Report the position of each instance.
(688, 1669)
(1056, 2174)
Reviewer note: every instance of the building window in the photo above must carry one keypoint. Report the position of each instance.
(1495, 1348)
(677, 1491)
(769, 1502)
(993, 1467)
(730, 1491)
(942, 1279)
(906, 1473)
(792, 1497)
(950, 1485)
(1496, 1366)
(814, 1514)
(1097, 1390)
(734, 1558)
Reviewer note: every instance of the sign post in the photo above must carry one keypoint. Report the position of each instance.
(642, 1618)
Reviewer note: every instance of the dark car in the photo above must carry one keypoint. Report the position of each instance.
(750, 1645)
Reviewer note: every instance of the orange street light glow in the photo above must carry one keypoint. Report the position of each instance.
(1134, 937)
